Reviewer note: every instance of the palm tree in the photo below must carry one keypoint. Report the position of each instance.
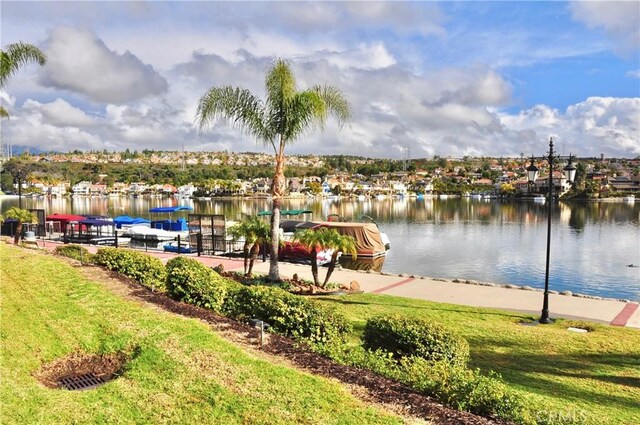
(23, 216)
(12, 58)
(284, 116)
(321, 239)
(255, 233)
(340, 244)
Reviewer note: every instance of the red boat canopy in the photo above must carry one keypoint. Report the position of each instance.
(65, 217)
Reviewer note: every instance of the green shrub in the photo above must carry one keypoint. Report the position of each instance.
(190, 281)
(76, 252)
(405, 337)
(288, 314)
(147, 270)
(465, 389)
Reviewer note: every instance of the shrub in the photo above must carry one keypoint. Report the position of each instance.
(288, 314)
(415, 337)
(465, 389)
(76, 252)
(190, 281)
(147, 270)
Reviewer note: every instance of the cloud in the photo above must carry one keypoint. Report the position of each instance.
(619, 19)
(633, 74)
(81, 63)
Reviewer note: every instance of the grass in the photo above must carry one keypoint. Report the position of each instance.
(594, 375)
(180, 370)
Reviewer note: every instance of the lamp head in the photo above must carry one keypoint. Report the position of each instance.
(532, 171)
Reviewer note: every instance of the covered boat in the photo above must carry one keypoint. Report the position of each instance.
(369, 241)
(125, 220)
(178, 225)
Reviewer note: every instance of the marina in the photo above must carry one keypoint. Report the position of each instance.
(594, 243)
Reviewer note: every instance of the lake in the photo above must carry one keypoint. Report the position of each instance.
(592, 244)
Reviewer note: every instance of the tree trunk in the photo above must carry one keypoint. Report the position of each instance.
(16, 237)
(314, 267)
(277, 192)
(255, 249)
(245, 252)
(331, 268)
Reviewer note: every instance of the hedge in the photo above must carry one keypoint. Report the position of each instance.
(147, 270)
(404, 337)
(190, 281)
(77, 252)
(288, 314)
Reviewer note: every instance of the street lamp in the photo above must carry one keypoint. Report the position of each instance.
(532, 174)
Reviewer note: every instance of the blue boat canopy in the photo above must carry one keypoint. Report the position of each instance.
(287, 212)
(125, 219)
(170, 209)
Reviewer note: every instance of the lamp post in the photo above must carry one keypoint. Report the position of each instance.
(532, 174)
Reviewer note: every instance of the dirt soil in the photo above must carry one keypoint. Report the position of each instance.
(364, 384)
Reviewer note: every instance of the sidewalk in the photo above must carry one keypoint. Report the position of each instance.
(617, 313)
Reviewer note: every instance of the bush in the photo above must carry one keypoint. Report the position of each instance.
(288, 314)
(76, 252)
(404, 337)
(147, 270)
(465, 389)
(190, 281)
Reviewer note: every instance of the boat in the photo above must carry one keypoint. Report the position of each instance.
(179, 225)
(369, 240)
(629, 198)
(146, 233)
(539, 199)
(183, 248)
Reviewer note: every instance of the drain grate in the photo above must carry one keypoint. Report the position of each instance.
(81, 382)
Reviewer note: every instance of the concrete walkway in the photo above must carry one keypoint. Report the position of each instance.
(616, 313)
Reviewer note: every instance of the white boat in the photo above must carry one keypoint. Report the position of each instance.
(629, 198)
(541, 199)
(146, 233)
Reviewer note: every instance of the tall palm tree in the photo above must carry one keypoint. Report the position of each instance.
(284, 116)
(13, 57)
(255, 233)
(23, 216)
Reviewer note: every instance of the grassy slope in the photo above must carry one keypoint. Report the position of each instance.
(182, 372)
(596, 373)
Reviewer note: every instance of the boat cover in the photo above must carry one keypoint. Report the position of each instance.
(367, 235)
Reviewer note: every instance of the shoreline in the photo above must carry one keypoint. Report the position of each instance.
(617, 312)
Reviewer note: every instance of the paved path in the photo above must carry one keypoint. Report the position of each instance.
(616, 313)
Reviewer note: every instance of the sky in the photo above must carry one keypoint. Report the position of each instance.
(422, 78)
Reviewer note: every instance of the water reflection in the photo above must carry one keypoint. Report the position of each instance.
(504, 242)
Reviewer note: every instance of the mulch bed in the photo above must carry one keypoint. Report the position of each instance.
(380, 389)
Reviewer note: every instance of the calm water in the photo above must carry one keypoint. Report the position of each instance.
(503, 242)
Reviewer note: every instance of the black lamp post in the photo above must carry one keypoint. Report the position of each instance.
(532, 174)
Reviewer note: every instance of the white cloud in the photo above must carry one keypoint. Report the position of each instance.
(633, 74)
(82, 63)
(60, 113)
(619, 19)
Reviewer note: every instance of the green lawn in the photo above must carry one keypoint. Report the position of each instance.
(594, 374)
(181, 371)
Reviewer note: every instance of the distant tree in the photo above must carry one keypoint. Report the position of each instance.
(278, 121)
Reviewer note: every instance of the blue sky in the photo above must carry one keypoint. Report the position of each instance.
(445, 78)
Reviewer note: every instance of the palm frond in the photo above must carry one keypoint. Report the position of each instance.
(3, 113)
(336, 103)
(17, 55)
(237, 105)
